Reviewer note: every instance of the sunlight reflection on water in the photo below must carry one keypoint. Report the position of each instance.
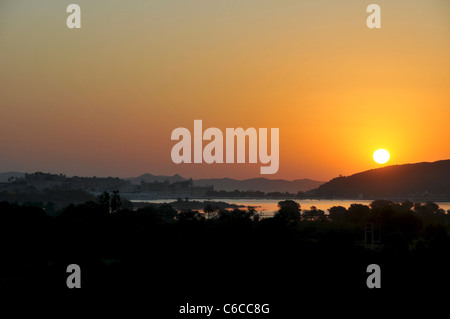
(269, 206)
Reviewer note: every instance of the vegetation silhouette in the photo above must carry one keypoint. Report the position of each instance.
(178, 255)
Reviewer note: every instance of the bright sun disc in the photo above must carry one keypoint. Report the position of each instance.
(381, 156)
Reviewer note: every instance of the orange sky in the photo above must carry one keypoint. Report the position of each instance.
(103, 100)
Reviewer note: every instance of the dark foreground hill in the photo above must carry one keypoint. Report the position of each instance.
(409, 180)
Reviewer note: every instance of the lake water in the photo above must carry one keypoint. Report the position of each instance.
(269, 206)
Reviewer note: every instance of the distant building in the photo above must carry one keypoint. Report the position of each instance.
(202, 191)
(182, 188)
(155, 187)
(41, 181)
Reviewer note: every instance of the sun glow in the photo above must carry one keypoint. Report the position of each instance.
(381, 156)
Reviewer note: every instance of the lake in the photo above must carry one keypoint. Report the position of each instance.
(269, 206)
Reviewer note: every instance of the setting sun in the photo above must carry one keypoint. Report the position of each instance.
(381, 156)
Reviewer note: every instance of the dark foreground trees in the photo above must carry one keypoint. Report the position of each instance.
(100, 223)
(182, 254)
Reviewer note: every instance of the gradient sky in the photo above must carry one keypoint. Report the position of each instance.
(103, 100)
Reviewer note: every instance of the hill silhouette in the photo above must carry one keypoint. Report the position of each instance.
(419, 179)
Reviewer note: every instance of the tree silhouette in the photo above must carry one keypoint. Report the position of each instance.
(105, 201)
(289, 211)
(338, 214)
(208, 210)
(116, 202)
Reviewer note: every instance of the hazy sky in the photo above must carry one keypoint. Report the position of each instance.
(104, 99)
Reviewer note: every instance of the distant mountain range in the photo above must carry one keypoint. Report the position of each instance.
(260, 184)
(397, 180)
(228, 184)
